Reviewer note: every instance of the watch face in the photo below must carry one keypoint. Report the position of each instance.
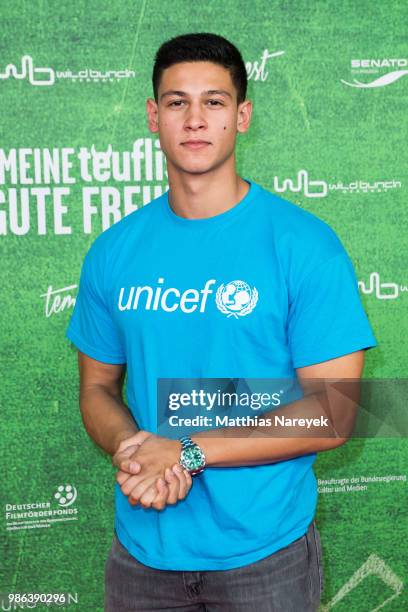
(192, 457)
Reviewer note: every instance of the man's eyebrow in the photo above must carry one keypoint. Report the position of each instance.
(172, 92)
(221, 92)
(183, 94)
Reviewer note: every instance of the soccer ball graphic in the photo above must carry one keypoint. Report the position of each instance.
(66, 495)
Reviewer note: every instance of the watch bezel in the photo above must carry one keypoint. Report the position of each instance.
(184, 459)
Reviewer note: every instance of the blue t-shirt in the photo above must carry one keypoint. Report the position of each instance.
(306, 309)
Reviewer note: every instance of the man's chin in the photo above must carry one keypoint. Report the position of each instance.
(197, 168)
(198, 172)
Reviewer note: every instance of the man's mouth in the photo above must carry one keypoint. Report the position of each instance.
(195, 145)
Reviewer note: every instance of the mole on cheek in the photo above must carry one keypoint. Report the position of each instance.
(225, 127)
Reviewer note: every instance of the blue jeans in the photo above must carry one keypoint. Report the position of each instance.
(289, 580)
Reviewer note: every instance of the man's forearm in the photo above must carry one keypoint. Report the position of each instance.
(255, 445)
(229, 452)
(106, 418)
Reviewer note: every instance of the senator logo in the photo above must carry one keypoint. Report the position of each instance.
(234, 299)
(372, 67)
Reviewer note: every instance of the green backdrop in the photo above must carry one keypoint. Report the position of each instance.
(329, 81)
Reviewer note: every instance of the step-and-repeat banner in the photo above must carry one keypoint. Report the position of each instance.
(329, 81)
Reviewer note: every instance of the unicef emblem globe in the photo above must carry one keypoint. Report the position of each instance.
(236, 298)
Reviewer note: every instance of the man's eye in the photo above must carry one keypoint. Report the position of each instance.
(176, 103)
(215, 103)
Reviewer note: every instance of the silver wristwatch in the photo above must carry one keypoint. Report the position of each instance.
(192, 457)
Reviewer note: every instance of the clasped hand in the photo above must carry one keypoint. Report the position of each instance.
(148, 471)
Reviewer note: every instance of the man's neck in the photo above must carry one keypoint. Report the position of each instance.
(200, 196)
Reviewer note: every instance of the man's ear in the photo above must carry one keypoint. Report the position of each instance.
(152, 115)
(244, 115)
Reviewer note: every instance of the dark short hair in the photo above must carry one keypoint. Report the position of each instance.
(201, 47)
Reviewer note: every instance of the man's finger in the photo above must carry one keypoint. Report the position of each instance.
(185, 479)
(121, 455)
(133, 467)
(137, 491)
(174, 486)
(122, 477)
(160, 501)
(148, 496)
(138, 439)
(189, 480)
(178, 471)
(132, 482)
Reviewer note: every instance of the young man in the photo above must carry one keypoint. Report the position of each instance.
(216, 278)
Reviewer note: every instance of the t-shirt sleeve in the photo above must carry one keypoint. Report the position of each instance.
(326, 317)
(91, 327)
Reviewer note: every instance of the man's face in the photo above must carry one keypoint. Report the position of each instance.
(197, 116)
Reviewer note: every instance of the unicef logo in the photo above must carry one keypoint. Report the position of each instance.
(66, 495)
(236, 298)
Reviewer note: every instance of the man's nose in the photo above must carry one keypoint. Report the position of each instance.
(195, 117)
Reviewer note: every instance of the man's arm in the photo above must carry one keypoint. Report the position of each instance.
(247, 446)
(232, 447)
(106, 418)
(110, 424)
